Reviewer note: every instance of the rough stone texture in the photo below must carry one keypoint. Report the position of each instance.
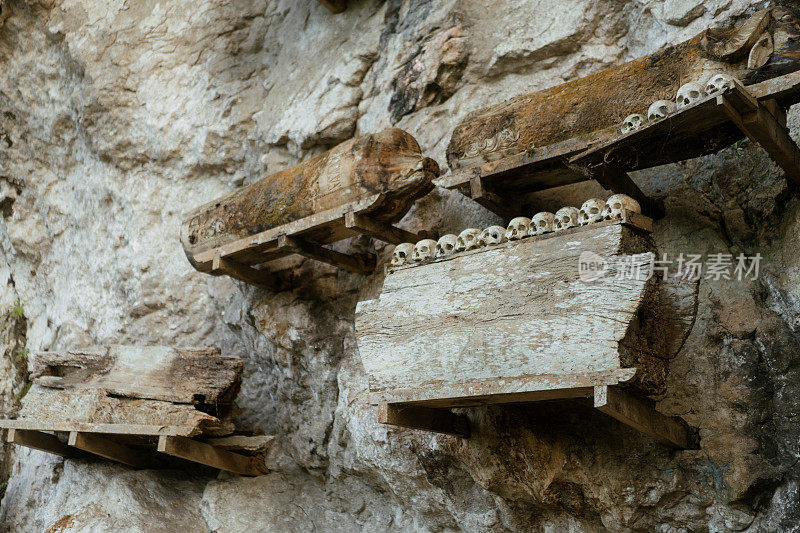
(118, 117)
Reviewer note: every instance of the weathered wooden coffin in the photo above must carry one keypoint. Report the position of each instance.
(379, 175)
(590, 109)
(515, 322)
(185, 391)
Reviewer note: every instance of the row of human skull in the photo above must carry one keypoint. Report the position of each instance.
(688, 94)
(593, 210)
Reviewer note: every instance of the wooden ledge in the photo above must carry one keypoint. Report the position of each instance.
(424, 418)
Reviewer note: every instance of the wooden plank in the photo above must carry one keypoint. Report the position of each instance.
(199, 376)
(358, 263)
(253, 444)
(115, 429)
(526, 388)
(424, 418)
(386, 167)
(257, 278)
(37, 440)
(200, 452)
(509, 311)
(109, 449)
(641, 415)
(763, 128)
(364, 225)
(334, 6)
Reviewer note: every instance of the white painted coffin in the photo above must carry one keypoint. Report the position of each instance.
(513, 322)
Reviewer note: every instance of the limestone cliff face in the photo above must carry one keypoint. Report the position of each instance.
(117, 117)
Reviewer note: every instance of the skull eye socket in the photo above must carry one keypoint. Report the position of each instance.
(787, 18)
(448, 247)
(617, 206)
(565, 220)
(402, 255)
(694, 94)
(542, 223)
(593, 210)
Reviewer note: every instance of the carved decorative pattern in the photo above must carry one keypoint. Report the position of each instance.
(500, 141)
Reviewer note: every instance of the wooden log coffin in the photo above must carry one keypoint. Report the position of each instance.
(590, 109)
(386, 170)
(516, 322)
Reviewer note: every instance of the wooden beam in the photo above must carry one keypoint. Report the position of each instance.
(763, 128)
(640, 414)
(424, 418)
(334, 6)
(120, 429)
(200, 452)
(485, 196)
(614, 178)
(109, 449)
(258, 278)
(377, 230)
(37, 440)
(358, 263)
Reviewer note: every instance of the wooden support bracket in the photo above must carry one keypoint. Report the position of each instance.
(377, 230)
(482, 194)
(424, 418)
(763, 127)
(614, 178)
(203, 453)
(360, 264)
(334, 6)
(38, 440)
(92, 443)
(245, 273)
(641, 414)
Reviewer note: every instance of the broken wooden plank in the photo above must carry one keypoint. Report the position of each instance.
(199, 376)
(251, 444)
(503, 314)
(200, 452)
(107, 448)
(386, 168)
(334, 6)
(357, 263)
(595, 105)
(47, 407)
(641, 415)
(364, 225)
(424, 418)
(38, 440)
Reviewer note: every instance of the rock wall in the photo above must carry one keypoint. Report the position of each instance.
(116, 117)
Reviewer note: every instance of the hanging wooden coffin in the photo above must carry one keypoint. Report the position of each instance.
(360, 186)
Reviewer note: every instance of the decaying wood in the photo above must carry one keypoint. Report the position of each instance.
(74, 409)
(200, 452)
(201, 377)
(598, 102)
(508, 315)
(382, 173)
(424, 418)
(640, 414)
(38, 440)
(109, 449)
(243, 443)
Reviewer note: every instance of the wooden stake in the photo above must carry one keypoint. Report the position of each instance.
(641, 415)
(109, 449)
(377, 230)
(203, 453)
(40, 441)
(360, 264)
(424, 418)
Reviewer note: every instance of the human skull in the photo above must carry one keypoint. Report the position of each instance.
(423, 250)
(688, 94)
(402, 253)
(720, 83)
(591, 211)
(632, 123)
(469, 239)
(660, 109)
(617, 203)
(446, 245)
(566, 217)
(541, 223)
(493, 235)
(518, 228)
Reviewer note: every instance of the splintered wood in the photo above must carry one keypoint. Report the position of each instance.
(102, 397)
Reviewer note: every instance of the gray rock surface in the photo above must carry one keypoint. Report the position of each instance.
(118, 117)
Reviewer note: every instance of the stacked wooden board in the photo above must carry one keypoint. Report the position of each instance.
(118, 401)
